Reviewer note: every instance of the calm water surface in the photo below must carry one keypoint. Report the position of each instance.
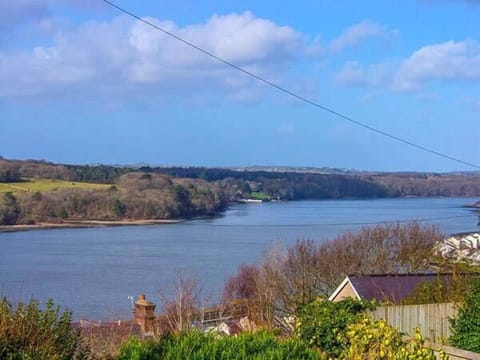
(93, 271)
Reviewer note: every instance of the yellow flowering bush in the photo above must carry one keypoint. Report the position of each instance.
(369, 339)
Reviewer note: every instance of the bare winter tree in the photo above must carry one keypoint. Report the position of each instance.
(181, 311)
(289, 278)
(243, 285)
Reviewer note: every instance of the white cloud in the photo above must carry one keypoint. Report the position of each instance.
(448, 61)
(351, 74)
(351, 37)
(242, 39)
(359, 33)
(123, 56)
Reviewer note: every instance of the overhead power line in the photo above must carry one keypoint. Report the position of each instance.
(293, 94)
(386, 222)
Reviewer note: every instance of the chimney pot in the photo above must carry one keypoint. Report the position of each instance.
(144, 314)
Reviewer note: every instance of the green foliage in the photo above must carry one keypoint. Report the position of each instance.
(9, 210)
(415, 350)
(322, 323)
(196, 345)
(29, 332)
(118, 208)
(9, 199)
(287, 185)
(371, 339)
(43, 185)
(257, 195)
(443, 289)
(466, 326)
(37, 196)
(61, 213)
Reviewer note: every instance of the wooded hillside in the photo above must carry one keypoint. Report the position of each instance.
(182, 192)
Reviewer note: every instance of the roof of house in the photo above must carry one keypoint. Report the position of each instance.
(387, 287)
(464, 234)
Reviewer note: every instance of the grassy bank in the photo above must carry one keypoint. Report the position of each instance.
(44, 185)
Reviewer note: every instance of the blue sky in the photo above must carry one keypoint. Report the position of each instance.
(81, 82)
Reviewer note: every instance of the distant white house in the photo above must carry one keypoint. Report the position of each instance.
(461, 247)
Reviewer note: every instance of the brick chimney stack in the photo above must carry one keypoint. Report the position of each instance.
(144, 314)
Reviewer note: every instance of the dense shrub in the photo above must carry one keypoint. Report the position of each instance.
(29, 332)
(372, 339)
(195, 345)
(466, 326)
(322, 323)
(9, 209)
(342, 330)
(445, 288)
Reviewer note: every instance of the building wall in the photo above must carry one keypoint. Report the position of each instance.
(346, 292)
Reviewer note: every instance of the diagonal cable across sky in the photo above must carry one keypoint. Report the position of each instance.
(296, 95)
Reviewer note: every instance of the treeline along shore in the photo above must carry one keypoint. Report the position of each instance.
(34, 192)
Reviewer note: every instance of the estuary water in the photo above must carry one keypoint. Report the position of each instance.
(94, 271)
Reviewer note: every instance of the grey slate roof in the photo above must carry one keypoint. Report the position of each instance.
(392, 287)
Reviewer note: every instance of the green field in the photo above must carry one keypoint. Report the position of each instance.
(43, 185)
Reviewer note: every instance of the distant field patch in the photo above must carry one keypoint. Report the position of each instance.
(43, 185)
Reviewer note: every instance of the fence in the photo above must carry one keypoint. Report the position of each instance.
(432, 319)
(452, 353)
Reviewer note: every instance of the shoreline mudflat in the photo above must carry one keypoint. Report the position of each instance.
(85, 224)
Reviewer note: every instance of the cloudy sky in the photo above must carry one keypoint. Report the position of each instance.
(81, 82)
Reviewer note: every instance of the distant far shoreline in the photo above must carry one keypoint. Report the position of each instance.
(78, 224)
(86, 224)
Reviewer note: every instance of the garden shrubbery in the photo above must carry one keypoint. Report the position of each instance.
(195, 345)
(375, 339)
(324, 330)
(342, 330)
(321, 323)
(29, 332)
(466, 326)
